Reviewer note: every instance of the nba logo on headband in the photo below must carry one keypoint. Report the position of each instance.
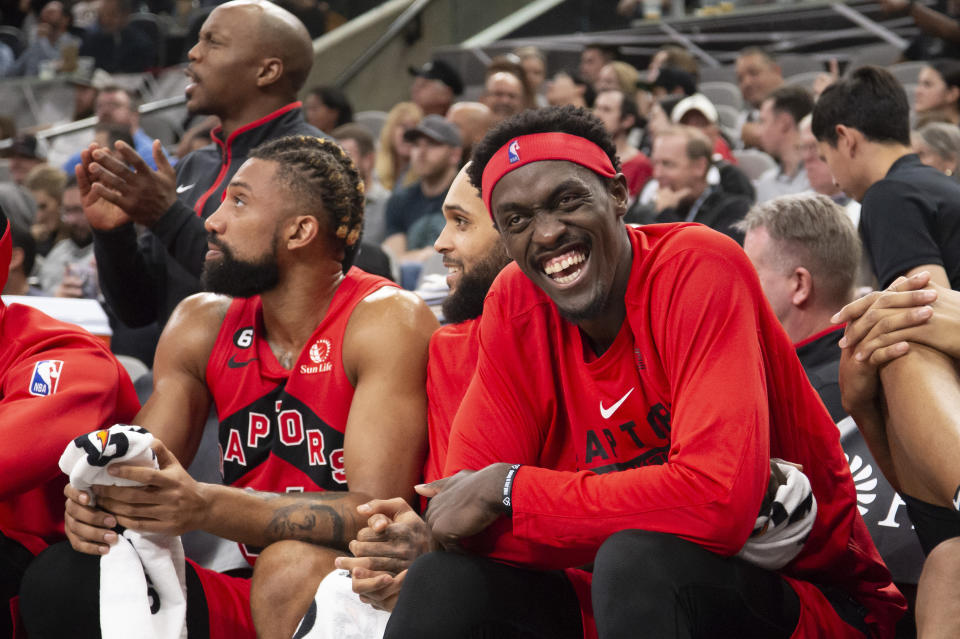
(513, 152)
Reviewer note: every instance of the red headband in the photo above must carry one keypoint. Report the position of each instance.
(538, 147)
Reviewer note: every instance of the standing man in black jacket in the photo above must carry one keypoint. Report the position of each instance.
(251, 59)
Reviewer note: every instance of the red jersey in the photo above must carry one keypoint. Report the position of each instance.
(57, 382)
(670, 430)
(453, 359)
(282, 430)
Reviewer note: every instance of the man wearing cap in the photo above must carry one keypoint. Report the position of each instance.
(434, 86)
(619, 115)
(25, 153)
(415, 213)
(682, 157)
(666, 330)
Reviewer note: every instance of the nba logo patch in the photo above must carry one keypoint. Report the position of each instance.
(46, 376)
(513, 152)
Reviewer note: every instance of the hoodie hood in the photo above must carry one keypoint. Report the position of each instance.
(6, 248)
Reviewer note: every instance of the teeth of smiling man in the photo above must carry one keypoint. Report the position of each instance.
(562, 262)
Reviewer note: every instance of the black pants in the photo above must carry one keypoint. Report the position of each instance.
(644, 584)
(60, 597)
(14, 560)
(447, 595)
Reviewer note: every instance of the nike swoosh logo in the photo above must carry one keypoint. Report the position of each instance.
(232, 363)
(185, 187)
(607, 412)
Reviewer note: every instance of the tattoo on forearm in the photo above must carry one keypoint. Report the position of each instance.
(312, 522)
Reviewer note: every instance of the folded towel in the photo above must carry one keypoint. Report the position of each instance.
(338, 613)
(786, 518)
(142, 578)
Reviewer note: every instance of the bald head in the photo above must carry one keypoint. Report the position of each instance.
(472, 118)
(280, 34)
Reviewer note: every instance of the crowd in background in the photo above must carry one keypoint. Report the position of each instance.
(685, 156)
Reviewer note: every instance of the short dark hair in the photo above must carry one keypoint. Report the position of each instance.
(794, 100)
(871, 101)
(24, 239)
(608, 51)
(359, 134)
(319, 171)
(337, 100)
(563, 119)
(629, 107)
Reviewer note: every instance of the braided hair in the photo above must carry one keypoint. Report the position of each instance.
(323, 177)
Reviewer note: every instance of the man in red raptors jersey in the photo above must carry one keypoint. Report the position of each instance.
(631, 390)
(56, 382)
(317, 373)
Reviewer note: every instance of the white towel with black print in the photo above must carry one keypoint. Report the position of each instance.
(142, 578)
(337, 613)
(785, 520)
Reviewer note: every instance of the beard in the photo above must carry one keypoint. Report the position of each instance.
(466, 301)
(237, 278)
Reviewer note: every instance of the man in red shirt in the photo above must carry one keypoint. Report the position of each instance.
(666, 330)
(56, 382)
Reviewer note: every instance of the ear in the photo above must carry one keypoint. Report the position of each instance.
(617, 187)
(802, 283)
(846, 139)
(270, 71)
(16, 259)
(702, 165)
(953, 94)
(301, 230)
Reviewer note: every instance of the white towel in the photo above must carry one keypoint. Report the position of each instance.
(786, 518)
(142, 578)
(338, 613)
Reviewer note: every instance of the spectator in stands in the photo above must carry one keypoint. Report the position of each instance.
(534, 64)
(392, 167)
(116, 105)
(46, 185)
(938, 90)
(681, 160)
(504, 94)
(671, 82)
(22, 259)
(356, 140)
(22, 155)
(70, 269)
(85, 90)
(899, 381)
(698, 111)
(617, 75)
(819, 175)
(435, 85)
(938, 145)
(52, 41)
(780, 115)
(567, 88)
(593, 58)
(327, 108)
(910, 215)
(758, 75)
(511, 64)
(674, 57)
(412, 224)
(107, 135)
(618, 112)
(115, 45)
(807, 253)
(250, 61)
(473, 119)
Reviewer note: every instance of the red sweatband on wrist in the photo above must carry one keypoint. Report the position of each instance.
(538, 147)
